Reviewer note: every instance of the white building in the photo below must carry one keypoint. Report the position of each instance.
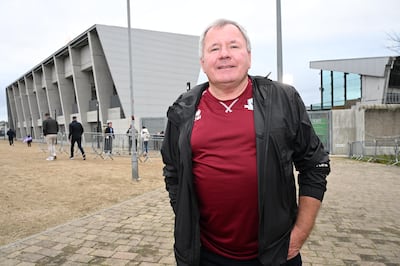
(89, 78)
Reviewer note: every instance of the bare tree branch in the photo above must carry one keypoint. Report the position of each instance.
(394, 38)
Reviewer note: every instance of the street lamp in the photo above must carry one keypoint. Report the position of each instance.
(135, 168)
(98, 124)
(279, 40)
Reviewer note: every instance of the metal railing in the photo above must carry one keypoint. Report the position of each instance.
(108, 145)
(392, 98)
(382, 149)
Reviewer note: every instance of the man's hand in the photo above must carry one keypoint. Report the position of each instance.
(308, 210)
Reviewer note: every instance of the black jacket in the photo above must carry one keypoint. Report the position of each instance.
(10, 134)
(284, 137)
(50, 126)
(75, 130)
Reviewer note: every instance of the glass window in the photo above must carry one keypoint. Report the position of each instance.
(338, 88)
(326, 89)
(353, 86)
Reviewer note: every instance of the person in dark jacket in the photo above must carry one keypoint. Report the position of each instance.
(75, 135)
(108, 138)
(50, 131)
(229, 150)
(11, 136)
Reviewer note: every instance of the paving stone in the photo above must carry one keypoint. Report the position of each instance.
(357, 225)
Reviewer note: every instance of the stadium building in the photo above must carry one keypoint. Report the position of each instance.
(359, 106)
(89, 78)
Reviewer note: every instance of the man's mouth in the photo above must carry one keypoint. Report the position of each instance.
(225, 67)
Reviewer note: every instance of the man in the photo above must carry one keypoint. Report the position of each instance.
(145, 134)
(75, 135)
(50, 130)
(109, 135)
(229, 150)
(11, 136)
(129, 134)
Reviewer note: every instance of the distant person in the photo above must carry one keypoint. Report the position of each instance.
(129, 134)
(50, 130)
(11, 136)
(108, 138)
(28, 140)
(158, 138)
(75, 135)
(145, 134)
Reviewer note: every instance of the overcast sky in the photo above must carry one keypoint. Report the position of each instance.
(30, 31)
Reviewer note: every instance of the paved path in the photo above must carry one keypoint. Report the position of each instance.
(359, 224)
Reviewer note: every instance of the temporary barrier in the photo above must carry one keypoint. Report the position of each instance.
(108, 145)
(384, 149)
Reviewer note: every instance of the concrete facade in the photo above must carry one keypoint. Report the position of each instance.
(363, 122)
(89, 77)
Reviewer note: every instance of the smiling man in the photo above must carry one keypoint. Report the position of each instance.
(229, 151)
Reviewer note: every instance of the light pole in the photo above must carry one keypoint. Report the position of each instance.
(30, 118)
(279, 40)
(98, 124)
(135, 168)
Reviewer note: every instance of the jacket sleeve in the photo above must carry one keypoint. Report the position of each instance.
(70, 131)
(44, 125)
(169, 151)
(310, 157)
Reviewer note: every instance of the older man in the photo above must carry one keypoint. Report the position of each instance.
(229, 151)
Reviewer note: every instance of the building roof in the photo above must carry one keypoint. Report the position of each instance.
(370, 66)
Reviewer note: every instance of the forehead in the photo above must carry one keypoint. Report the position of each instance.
(227, 32)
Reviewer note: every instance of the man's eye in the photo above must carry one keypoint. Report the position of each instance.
(214, 49)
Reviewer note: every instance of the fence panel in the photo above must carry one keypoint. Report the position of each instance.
(107, 145)
(384, 149)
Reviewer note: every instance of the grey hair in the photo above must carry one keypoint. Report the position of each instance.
(219, 24)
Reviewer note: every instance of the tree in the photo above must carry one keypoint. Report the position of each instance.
(394, 38)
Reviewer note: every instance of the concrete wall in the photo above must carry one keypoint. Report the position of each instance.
(343, 130)
(380, 123)
(363, 123)
(373, 89)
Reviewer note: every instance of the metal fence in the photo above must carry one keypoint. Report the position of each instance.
(107, 146)
(383, 149)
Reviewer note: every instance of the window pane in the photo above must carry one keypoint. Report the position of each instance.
(326, 86)
(353, 86)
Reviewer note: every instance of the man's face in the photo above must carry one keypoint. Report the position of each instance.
(225, 60)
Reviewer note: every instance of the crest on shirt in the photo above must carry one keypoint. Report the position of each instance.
(249, 105)
(197, 116)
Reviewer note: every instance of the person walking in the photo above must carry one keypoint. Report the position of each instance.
(108, 138)
(50, 130)
(229, 149)
(129, 134)
(75, 135)
(145, 134)
(11, 136)
(28, 140)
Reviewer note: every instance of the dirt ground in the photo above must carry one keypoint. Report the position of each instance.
(36, 194)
